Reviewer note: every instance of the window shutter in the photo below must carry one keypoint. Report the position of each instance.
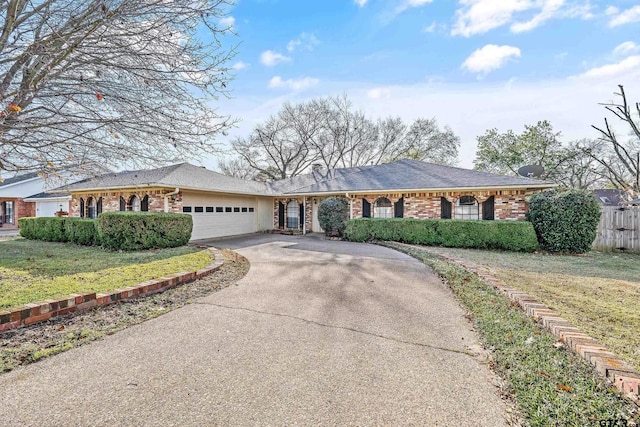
(445, 208)
(280, 214)
(81, 207)
(398, 208)
(144, 204)
(301, 215)
(123, 204)
(366, 209)
(99, 206)
(488, 209)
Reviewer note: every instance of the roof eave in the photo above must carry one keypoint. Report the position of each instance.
(425, 190)
(158, 185)
(47, 199)
(20, 182)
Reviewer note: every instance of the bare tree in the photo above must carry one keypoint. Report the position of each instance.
(580, 170)
(331, 132)
(109, 81)
(237, 167)
(623, 167)
(274, 149)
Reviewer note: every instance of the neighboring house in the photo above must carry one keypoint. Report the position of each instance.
(610, 197)
(27, 194)
(12, 194)
(224, 206)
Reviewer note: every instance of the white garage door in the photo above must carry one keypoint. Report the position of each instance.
(48, 208)
(219, 216)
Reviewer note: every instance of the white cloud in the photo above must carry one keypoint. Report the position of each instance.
(612, 70)
(228, 22)
(360, 3)
(306, 41)
(549, 10)
(435, 27)
(271, 58)
(293, 84)
(489, 58)
(408, 4)
(240, 65)
(379, 92)
(626, 48)
(481, 16)
(612, 10)
(430, 28)
(625, 17)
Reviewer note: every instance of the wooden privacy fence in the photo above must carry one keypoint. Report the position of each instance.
(619, 229)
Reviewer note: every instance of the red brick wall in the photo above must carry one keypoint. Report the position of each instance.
(111, 200)
(21, 209)
(509, 204)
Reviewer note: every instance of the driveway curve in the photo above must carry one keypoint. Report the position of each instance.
(318, 333)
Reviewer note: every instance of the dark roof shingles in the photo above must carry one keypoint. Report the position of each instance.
(400, 175)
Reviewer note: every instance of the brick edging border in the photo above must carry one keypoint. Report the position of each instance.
(48, 309)
(625, 378)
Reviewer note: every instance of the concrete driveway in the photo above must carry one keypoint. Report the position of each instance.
(318, 333)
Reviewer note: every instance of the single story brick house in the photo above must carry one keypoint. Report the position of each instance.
(224, 206)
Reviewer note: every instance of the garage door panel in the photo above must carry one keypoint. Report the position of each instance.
(209, 222)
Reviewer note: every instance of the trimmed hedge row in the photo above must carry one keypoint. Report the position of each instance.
(127, 231)
(506, 235)
(132, 231)
(50, 229)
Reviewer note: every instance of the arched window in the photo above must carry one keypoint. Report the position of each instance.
(466, 208)
(382, 208)
(134, 204)
(91, 208)
(293, 214)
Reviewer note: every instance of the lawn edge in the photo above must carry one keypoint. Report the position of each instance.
(624, 377)
(31, 313)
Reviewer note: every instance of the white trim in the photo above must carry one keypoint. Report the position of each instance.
(46, 199)
(2, 187)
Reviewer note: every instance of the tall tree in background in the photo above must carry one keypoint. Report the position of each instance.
(622, 164)
(331, 132)
(565, 164)
(108, 81)
(506, 152)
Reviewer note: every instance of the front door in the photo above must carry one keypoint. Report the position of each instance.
(315, 224)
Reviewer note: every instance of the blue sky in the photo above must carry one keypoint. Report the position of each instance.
(471, 64)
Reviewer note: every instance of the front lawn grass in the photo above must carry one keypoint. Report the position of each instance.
(597, 292)
(33, 271)
(550, 384)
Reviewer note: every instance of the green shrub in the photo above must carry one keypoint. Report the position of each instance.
(28, 227)
(131, 231)
(50, 229)
(506, 235)
(564, 221)
(82, 231)
(333, 214)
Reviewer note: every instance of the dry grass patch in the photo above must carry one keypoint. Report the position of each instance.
(607, 309)
(598, 292)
